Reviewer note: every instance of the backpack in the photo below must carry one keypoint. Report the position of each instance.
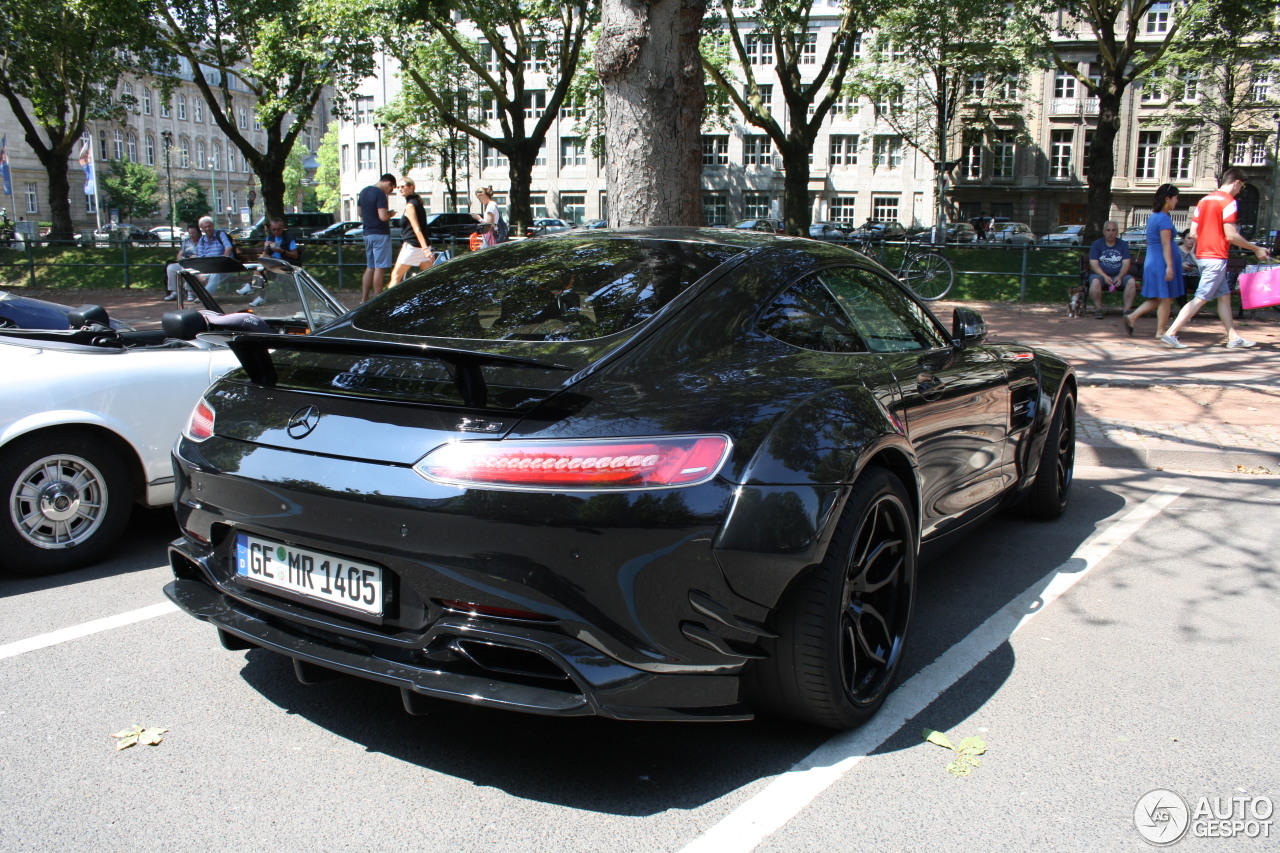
(500, 229)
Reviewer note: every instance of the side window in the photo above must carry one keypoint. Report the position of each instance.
(805, 315)
(884, 317)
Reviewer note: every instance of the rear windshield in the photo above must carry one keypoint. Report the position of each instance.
(549, 289)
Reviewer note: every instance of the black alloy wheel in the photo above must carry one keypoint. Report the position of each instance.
(842, 628)
(1051, 490)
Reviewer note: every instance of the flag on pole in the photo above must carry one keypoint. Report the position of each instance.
(4, 165)
(86, 160)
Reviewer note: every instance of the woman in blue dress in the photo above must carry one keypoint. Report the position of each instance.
(1162, 268)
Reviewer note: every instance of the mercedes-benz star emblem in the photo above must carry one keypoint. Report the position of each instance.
(303, 421)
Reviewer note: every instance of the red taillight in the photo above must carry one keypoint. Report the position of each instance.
(587, 465)
(200, 424)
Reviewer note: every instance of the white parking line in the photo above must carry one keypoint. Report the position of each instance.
(786, 796)
(84, 629)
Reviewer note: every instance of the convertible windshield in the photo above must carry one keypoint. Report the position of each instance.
(544, 290)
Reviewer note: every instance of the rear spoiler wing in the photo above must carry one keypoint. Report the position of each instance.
(464, 366)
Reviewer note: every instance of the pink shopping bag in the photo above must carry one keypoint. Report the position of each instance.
(1260, 286)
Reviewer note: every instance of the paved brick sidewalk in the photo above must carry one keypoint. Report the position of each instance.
(1218, 410)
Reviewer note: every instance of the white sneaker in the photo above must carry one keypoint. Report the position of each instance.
(1240, 343)
(244, 291)
(1172, 341)
(261, 300)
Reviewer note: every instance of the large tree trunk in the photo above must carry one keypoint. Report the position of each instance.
(59, 195)
(1100, 165)
(272, 181)
(520, 174)
(649, 65)
(796, 208)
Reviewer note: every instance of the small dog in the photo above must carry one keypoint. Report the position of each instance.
(1078, 301)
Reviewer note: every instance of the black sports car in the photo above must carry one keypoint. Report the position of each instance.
(660, 474)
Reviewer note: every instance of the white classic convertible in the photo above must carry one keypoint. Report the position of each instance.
(88, 415)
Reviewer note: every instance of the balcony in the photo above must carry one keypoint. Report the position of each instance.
(1073, 107)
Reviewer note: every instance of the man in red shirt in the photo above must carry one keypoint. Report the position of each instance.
(1213, 229)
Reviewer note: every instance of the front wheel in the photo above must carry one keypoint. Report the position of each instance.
(929, 275)
(842, 628)
(66, 501)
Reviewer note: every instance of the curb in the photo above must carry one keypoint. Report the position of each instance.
(1228, 460)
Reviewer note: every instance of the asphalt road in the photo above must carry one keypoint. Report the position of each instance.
(1129, 647)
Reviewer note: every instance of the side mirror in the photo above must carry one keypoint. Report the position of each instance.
(967, 328)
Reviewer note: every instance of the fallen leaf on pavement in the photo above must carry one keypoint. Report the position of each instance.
(138, 734)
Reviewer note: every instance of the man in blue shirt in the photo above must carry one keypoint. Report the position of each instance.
(211, 244)
(375, 217)
(1109, 262)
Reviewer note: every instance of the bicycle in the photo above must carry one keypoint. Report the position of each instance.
(927, 273)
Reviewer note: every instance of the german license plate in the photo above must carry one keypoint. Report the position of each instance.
(310, 574)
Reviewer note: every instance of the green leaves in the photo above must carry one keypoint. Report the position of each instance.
(966, 753)
(138, 735)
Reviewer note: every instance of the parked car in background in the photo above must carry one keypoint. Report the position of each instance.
(876, 231)
(1135, 236)
(661, 474)
(124, 232)
(169, 234)
(1065, 235)
(334, 233)
(828, 231)
(88, 414)
(596, 223)
(767, 226)
(961, 232)
(542, 227)
(1013, 233)
(302, 222)
(449, 226)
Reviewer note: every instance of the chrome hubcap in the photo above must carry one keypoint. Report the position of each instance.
(58, 502)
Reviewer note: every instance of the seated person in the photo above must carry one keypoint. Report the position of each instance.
(279, 244)
(172, 271)
(1109, 261)
(211, 244)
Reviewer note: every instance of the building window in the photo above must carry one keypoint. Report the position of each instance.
(164, 109)
(756, 205)
(888, 152)
(535, 103)
(884, 208)
(971, 161)
(573, 207)
(217, 199)
(366, 156)
(200, 160)
(126, 94)
(846, 107)
(809, 49)
(131, 147)
(33, 200)
(489, 57)
(1158, 19)
(1259, 151)
(538, 206)
(243, 116)
(541, 159)
(1152, 90)
(715, 209)
(493, 158)
(197, 109)
(146, 101)
(346, 158)
(890, 104)
(363, 110)
(149, 149)
(760, 50)
(1064, 84)
(182, 108)
(1180, 157)
(844, 150)
(184, 153)
(117, 144)
(1260, 87)
(842, 209)
(1240, 150)
(715, 150)
(975, 86)
(1060, 142)
(90, 204)
(536, 61)
(856, 45)
(1003, 148)
(1148, 152)
(766, 95)
(757, 150)
(1191, 86)
(572, 152)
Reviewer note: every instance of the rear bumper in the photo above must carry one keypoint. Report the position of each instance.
(460, 658)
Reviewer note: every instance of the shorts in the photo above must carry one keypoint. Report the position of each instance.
(1110, 287)
(1213, 279)
(413, 256)
(377, 251)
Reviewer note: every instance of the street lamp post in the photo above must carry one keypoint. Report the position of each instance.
(213, 188)
(381, 168)
(167, 136)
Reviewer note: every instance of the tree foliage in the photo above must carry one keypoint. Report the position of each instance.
(522, 66)
(938, 71)
(190, 203)
(284, 53)
(59, 64)
(131, 188)
(782, 28)
(329, 175)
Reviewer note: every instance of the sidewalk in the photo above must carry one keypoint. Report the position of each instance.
(1142, 404)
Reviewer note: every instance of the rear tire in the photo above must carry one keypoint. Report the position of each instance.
(1050, 492)
(66, 501)
(842, 627)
